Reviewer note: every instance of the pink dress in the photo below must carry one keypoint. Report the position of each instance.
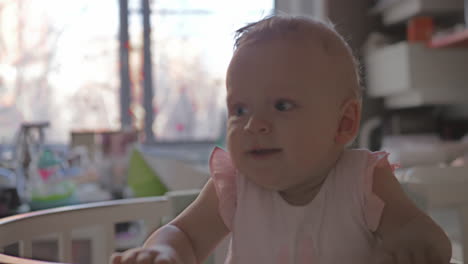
(334, 228)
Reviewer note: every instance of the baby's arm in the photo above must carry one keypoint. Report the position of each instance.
(189, 238)
(408, 234)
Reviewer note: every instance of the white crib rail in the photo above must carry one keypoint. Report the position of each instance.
(5, 259)
(442, 187)
(25, 228)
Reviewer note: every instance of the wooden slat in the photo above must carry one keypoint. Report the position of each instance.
(110, 240)
(25, 248)
(65, 247)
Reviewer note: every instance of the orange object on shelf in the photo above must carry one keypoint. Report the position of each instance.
(455, 40)
(420, 29)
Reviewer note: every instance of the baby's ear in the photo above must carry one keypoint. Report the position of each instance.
(349, 121)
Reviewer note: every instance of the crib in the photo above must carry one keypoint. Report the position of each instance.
(67, 230)
(27, 236)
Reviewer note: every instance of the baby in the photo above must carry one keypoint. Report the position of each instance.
(288, 190)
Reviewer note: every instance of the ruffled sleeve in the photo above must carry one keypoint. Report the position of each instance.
(223, 175)
(372, 205)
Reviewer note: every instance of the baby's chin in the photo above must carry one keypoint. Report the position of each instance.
(268, 182)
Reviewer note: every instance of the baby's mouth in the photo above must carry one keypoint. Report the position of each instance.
(264, 152)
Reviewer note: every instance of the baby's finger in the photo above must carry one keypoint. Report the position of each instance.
(146, 257)
(129, 256)
(164, 260)
(115, 258)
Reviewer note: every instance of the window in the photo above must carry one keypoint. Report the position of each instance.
(58, 63)
(192, 42)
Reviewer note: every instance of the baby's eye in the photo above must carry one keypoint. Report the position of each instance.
(283, 105)
(239, 110)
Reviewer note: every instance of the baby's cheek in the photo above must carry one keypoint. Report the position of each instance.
(231, 137)
(234, 131)
(233, 141)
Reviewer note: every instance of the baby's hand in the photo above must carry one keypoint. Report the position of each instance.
(413, 244)
(150, 255)
(407, 253)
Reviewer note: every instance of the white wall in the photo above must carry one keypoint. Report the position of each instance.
(351, 17)
(315, 8)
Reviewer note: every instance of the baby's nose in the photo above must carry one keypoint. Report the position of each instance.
(258, 125)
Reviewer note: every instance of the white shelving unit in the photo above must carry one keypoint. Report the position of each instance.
(401, 10)
(419, 74)
(409, 75)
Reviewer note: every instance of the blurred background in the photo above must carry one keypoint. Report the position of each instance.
(111, 99)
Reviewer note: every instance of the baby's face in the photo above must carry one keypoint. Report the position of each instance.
(283, 113)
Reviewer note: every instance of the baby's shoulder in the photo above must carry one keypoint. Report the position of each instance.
(358, 165)
(362, 157)
(354, 158)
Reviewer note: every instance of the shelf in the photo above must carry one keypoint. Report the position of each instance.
(409, 75)
(458, 39)
(401, 11)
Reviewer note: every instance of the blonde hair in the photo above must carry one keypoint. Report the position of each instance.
(281, 26)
